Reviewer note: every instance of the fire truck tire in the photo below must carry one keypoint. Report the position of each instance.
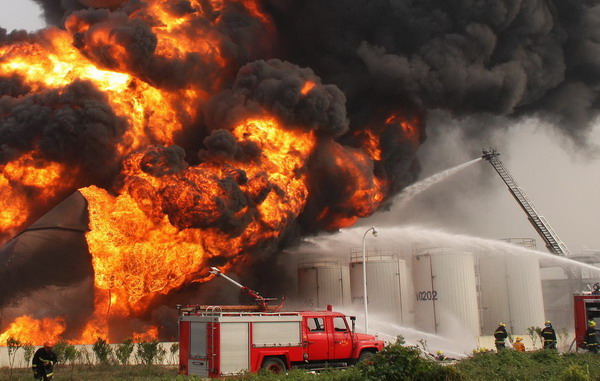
(274, 365)
(365, 355)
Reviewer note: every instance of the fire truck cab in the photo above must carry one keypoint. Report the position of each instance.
(214, 343)
(586, 307)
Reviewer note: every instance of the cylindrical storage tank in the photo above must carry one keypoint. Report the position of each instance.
(387, 287)
(323, 282)
(445, 292)
(511, 292)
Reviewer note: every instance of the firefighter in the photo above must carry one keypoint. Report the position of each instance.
(590, 342)
(549, 336)
(43, 362)
(440, 356)
(518, 345)
(500, 336)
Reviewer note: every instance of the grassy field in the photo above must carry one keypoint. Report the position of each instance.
(101, 373)
(395, 362)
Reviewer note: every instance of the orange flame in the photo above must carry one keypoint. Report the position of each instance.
(42, 179)
(308, 86)
(29, 330)
(410, 128)
(138, 253)
(140, 249)
(371, 144)
(366, 193)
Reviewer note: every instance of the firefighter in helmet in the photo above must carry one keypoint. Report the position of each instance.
(43, 362)
(590, 341)
(441, 356)
(549, 336)
(500, 336)
(518, 345)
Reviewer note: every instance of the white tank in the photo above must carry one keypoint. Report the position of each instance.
(323, 282)
(388, 287)
(445, 292)
(511, 292)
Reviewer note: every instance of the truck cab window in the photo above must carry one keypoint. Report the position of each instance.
(316, 325)
(339, 324)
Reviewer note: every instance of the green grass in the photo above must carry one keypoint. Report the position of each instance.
(538, 365)
(102, 373)
(395, 362)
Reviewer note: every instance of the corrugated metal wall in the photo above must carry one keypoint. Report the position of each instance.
(453, 297)
(323, 283)
(385, 287)
(511, 292)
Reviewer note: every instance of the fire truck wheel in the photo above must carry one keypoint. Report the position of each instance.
(274, 365)
(365, 355)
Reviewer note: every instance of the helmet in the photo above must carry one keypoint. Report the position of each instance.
(519, 338)
(592, 323)
(440, 352)
(48, 344)
(501, 324)
(548, 322)
(476, 350)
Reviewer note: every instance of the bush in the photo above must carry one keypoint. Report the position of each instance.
(102, 350)
(70, 354)
(60, 349)
(546, 356)
(13, 346)
(150, 352)
(124, 351)
(575, 373)
(174, 350)
(28, 351)
(396, 362)
(534, 366)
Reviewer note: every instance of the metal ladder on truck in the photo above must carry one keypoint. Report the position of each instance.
(553, 243)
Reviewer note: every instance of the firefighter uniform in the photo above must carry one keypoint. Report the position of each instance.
(590, 341)
(500, 336)
(43, 362)
(549, 336)
(518, 345)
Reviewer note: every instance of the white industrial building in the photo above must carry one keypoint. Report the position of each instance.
(432, 289)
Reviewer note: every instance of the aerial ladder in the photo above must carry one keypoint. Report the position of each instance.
(553, 243)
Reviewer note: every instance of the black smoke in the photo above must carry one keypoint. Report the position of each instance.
(511, 58)
(74, 125)
(276, 86)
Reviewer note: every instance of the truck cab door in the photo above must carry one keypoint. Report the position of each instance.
(342, 339)
(317, 343)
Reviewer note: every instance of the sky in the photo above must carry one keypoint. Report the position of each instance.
(562, 180)
(20, 14)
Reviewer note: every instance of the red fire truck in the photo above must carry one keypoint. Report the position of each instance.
(586, 307)
(215, 343)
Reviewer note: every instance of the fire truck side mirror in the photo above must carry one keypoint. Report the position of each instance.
(353, 320)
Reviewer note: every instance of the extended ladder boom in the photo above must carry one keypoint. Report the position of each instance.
(553, 243)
